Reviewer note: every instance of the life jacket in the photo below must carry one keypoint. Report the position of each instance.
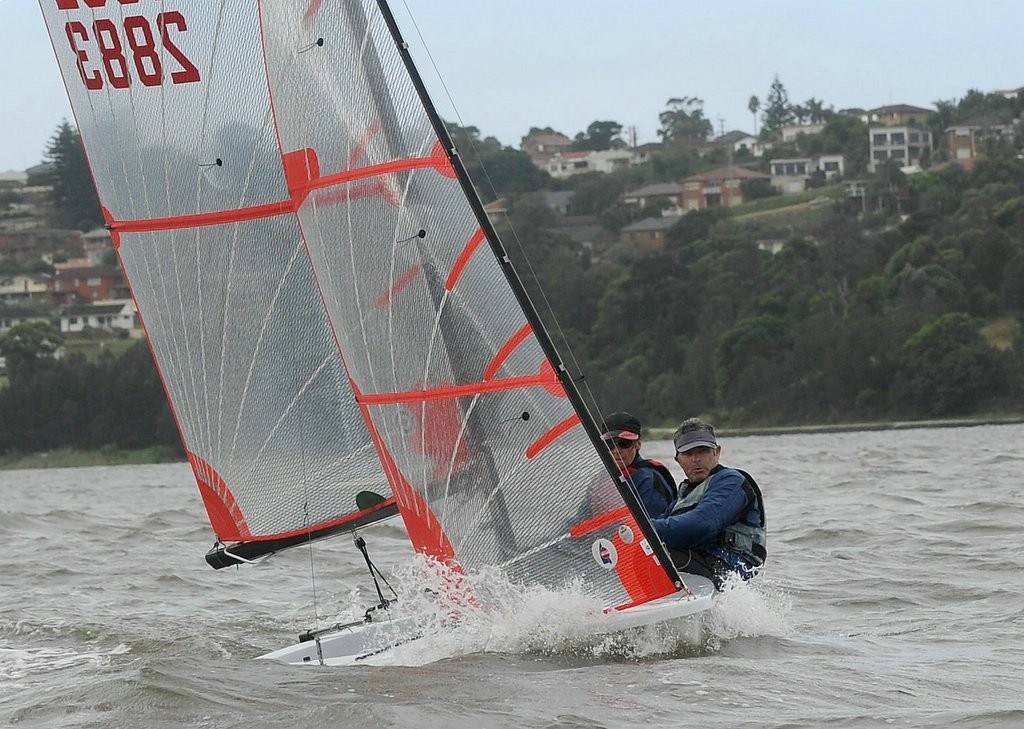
(746, 539)
(666, 485)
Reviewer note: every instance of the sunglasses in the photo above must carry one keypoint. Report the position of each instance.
(620, 443)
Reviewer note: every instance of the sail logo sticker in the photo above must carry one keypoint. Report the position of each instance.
(626, 534)
(604, 553)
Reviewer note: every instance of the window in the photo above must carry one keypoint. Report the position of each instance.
(881, 155)
(879, 140)
(831, 167)
(915, 137)
(899, 153)
(899, 138)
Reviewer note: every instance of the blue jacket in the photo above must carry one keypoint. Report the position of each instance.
(653, 484)
(702, 527)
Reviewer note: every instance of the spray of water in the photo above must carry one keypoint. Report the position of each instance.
(454, 614)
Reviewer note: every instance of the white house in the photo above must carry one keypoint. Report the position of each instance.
(113, 315)
(907, 145)
(791, 175)
(22, 287)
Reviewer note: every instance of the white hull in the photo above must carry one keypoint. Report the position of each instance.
(354, 644)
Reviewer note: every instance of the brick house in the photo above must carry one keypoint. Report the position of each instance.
(716, 187)
(88, 283)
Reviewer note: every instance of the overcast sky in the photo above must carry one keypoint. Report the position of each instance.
(510, 65)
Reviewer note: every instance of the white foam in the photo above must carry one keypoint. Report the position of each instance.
(446, 609)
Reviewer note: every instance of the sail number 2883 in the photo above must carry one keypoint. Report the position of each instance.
(107, 53)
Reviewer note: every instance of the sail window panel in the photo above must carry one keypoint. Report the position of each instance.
(154, 140)
(497, 503)
(245, 350)
(339, 86)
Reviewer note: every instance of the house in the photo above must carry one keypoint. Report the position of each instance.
(542, 146)
(908, 145)
(791, 132)
(791, 175)
(736, 141)
(566, 164)
(88, 283)
(899, 115)
(38, 242)
(96, 244)
(648, 233)
(585, 231)
(716, 187)
(559, 200)
(669, 192)
(965, 142)
(857, 192)
(577, 162)
(23, 287)
(110, 316)
(496, 210)
(1010, 93)
(12, 316)
(12, 180)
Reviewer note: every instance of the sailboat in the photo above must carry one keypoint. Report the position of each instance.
(340, 332)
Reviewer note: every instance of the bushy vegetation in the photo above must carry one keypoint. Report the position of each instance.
(856, 318)
(105, 403)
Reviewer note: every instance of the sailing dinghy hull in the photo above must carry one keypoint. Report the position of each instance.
(363, 643)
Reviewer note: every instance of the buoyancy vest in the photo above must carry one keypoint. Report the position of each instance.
(666, 485)
(743, 537)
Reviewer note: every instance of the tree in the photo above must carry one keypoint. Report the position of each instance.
(684, 121)
(27, 343)
(777, 113)
(600, 135)
(502, 171)
(947, 368)
(75, 201)
(753, 106)
(816, 111)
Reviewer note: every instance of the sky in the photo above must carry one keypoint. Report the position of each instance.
(504, 67)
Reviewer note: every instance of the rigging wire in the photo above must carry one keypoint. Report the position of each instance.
(564, 349)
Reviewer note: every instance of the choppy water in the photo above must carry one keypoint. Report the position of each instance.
(894, 596)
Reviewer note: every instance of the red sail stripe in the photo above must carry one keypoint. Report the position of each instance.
(552, 435)
(599, 521)
(404, 280)
(463, 259)
(311, 11)
(199, 220)
(377, 170)
(514, 341)
(454, 391)
(269, 210)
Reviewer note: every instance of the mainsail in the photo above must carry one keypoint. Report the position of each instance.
(326, 301)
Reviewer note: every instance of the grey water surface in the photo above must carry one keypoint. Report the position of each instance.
(893, 596)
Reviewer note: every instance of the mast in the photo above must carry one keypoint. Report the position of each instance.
(512, 276)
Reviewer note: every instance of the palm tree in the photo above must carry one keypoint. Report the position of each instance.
(753, 106)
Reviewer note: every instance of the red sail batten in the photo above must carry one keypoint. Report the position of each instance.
(404, 280)
(463, 259)
(534, 449)
(453, 391)
(507, 349)
(299, 188)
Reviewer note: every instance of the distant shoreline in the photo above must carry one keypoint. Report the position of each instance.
(666, 433)
(65, 458)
